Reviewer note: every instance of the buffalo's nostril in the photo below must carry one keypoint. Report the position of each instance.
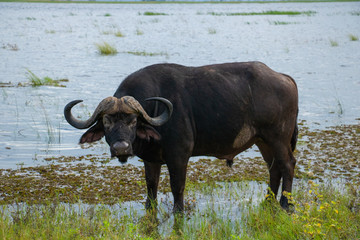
(121, 148)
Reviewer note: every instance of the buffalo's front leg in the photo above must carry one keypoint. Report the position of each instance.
(152, 175)
(177, 170)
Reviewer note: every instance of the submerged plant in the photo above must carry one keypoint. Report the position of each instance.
(106, 49)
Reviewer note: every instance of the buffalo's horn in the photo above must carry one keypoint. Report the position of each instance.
(155, 121)
(107, 105)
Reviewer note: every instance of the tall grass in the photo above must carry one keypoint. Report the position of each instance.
(106, 49)
(36, 81)
(321, 212)
(353, 37)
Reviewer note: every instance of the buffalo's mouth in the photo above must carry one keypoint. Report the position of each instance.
(122, 150)
(123, 158)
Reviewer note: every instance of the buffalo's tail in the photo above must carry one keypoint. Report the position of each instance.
(295, 135)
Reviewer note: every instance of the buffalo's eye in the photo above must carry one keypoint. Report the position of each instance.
(133, 122)
(107, 121)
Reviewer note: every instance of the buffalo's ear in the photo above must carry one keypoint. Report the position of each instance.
(95, 133)
(145, 131)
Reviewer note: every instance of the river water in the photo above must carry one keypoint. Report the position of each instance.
(59, 41)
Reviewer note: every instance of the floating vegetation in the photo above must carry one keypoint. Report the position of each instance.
(353, 37)
(282, 23)
(12, 47)
(147, 54)
(334, 43)
(50, 31)
(290, 13)
(106, 49)
(107, 15)
(153, 14)
(36, 81)
(355, 13)
(139, 32)
(118, 33)
(212, 31)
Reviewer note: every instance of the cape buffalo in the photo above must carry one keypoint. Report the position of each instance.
(166, 113)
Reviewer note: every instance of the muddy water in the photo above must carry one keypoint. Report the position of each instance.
(58, 40)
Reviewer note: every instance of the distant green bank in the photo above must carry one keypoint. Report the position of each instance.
(177, 2)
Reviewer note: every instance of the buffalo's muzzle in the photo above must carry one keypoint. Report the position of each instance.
(121, 148)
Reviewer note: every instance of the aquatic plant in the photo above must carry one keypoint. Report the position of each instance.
(147, 54)
(139, 32)
(106, 49)
(118, 33)
(154, 14)
(353, 37)
(36, 81)
(334, 43)
(10, 46)
(107, 15)
(282, 23)
(308, 13)
(212, 31)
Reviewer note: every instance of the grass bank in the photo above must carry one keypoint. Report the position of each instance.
(321, 212)
(86, 197)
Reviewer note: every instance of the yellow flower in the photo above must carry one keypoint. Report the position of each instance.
(336, 211)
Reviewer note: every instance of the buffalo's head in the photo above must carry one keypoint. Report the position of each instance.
(118, 119)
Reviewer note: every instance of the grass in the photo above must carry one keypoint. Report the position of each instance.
(291, 13)
(320, 212)
(139, 32)
(153, 14)
(118, 33)
(353, 37)
(36, 81)
(212, 31)
(106, 49)
(334, 43)
(282, 23)
(147, 54)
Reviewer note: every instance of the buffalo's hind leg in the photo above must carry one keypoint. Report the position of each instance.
(152, 175)
(281, 163)
(286, 163)
(275, 173)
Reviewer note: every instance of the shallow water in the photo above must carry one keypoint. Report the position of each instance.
(58, 40)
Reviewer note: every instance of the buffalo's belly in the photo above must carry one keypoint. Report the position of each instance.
(224, 147)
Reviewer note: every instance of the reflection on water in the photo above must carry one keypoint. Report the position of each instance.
(58, 40)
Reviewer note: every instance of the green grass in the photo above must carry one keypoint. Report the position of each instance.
(321, 212)
(139, 32)
(154, 14)
(36, 81)
(353, 37)
(212, 31)
(291, 13)
(106, 49)
(334, 43)
(118, 33)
